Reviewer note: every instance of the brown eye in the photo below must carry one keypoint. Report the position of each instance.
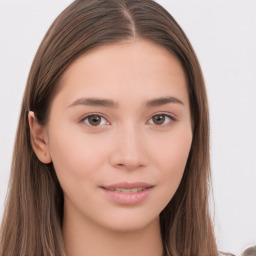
(161, 119)
(95, 120)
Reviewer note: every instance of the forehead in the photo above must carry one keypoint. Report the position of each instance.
(138, 67)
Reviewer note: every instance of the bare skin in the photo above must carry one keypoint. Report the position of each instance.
(121, 115)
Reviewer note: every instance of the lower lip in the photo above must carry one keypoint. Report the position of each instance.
(128, 198)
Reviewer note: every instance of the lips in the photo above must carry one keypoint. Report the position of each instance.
(126, 190)
(128, 193)
(128, 185)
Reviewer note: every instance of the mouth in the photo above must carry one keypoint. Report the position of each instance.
(128, 187)
(128, 193)
(126, 190)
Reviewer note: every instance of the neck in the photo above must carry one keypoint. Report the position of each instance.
(86, 238)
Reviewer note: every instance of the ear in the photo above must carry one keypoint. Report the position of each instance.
(39, 139)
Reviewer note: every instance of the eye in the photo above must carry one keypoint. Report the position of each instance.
(161, 119)
(95, 120)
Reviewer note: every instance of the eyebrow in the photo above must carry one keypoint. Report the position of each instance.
(112, 104)
(162, 101)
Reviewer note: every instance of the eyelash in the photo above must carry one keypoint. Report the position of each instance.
(170, 117)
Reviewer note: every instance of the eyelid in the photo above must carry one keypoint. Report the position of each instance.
(170, 116)
(93, 114)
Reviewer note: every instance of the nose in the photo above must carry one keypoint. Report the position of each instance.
(130, 150)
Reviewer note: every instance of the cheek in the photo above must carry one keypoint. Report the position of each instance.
(171, 158)
(173, 149)
(73, 155)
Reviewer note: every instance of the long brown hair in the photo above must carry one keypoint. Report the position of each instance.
(33, 216)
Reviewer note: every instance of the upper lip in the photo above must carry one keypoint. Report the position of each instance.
(129, 185)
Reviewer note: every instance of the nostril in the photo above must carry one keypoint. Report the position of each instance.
(129, 164)
(128, 159)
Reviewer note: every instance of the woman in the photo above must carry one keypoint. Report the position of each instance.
(112, 149)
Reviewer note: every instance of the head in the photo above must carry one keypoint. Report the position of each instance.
(80, 34)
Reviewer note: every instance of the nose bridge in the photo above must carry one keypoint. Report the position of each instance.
(129, 147)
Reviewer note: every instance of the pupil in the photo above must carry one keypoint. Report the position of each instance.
(159, 119)
(94, 120)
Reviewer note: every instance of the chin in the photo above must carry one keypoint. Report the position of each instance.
(130, 222)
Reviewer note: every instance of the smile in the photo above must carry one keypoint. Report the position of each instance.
(126, 190)
(128, 193)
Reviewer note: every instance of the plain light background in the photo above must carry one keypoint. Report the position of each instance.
(223, 34)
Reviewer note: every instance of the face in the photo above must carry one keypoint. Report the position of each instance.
(119, 134)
